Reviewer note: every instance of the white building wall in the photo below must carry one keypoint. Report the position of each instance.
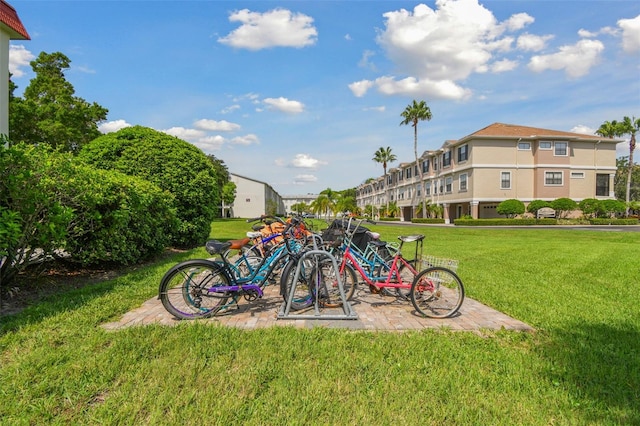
(253, 198)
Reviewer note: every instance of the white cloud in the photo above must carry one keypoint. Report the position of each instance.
(576, 60)
(377, 109)
(517, 22)
(583, 130)
(278, 27)
(504, 65)
(630, 34)
(190, 135)
(365, 62)
(532, 43)
(447, 43)
(360, 88)
(304, 161)
(284, 105)
(249, 139)
(302, 179)
(410, 86)
(19, 57)
(230, 109)
(216, 126)
(113, 126)
(435, 49)
(210, 143)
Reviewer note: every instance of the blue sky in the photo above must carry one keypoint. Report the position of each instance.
(300, 94)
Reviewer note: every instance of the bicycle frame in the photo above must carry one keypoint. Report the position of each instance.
(377, 282)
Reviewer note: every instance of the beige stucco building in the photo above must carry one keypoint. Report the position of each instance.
(10, 29)
(472, 175)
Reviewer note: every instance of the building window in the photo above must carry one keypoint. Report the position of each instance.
(545, 145)
(446, 159)
(449, 184)
(425, 166)
(505, 180)
(417, 190)
(463, 153)
(553, 178)
(602, 185)
(524, 146)
(577, 175)
(435, 163)
(400, 175)
(463, 182)
(415, 170)
(441, 187)
(427, 188)
(408, 172)
(561, 149)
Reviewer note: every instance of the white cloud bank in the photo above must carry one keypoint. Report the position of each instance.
(275, 28)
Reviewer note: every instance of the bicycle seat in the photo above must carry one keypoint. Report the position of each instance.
(410, 238)
(374, 235)
(257, 227)
(254, 234)
(217, 247)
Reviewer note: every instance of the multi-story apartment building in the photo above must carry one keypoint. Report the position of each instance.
(472, 175)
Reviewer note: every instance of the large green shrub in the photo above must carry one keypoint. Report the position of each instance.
(33, 221)
(172, 164)
(116, 218)
(51, 206)
(510, 208)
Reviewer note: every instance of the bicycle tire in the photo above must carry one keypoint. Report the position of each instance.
(184, 289)
(437, 292)
(302, 296)
(325, 279)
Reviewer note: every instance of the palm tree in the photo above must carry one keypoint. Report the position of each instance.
(412, 114)
(608, 129)
(384, 156)
(629, 126)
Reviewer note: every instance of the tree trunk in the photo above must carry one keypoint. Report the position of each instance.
(632, 147)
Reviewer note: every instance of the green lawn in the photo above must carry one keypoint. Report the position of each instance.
(579, 289)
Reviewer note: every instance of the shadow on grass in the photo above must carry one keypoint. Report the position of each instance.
(599, 366)
(73, 294)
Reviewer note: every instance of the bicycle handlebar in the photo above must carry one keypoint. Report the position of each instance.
(266, 216)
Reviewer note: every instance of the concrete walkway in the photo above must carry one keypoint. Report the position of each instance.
(373, 312)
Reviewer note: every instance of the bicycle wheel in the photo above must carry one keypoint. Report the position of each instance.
(302, 296)
(187, 289)
(407, 276)
(325, 279)
(437, 292)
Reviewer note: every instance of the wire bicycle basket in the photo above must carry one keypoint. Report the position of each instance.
(431, 261)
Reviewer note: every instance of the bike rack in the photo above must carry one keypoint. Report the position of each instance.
(347, 311)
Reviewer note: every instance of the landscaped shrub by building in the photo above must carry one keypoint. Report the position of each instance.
(563, 206)
(172, 164)
(536, 205)
(591, 207)
(510, 208)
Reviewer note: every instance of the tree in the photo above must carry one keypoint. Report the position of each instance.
(172, 164)
(563, 206)
(412, 114)
(536, 205)
(49, 112)
(384, 156)
(629, 126)
(510, 208)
